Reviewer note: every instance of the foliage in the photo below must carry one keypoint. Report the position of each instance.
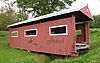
(6, 19)
(8, 15)
(42, 7)
(13, 55)
(96, 22)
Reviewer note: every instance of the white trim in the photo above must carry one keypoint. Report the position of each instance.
(30, 35)
(56, 27)
(14, 32)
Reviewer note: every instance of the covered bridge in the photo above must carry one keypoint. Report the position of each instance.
(62, 33)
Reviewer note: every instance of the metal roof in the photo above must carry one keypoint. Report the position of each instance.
(66, 11)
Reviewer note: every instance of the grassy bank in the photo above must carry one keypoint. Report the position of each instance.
(12, 55)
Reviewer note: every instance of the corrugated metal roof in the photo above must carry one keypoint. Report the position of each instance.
(47, 16)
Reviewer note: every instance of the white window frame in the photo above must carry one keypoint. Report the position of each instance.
(30, 35)
(56, 27)
(14, 32)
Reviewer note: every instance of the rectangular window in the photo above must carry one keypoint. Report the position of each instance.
(30, 32)
(58, 30)
(14, 34)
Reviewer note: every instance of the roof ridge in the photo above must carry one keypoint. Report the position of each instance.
(70, 10)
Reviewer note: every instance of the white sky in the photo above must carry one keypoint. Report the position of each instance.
(94, 5)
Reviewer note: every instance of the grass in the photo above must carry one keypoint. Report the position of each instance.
(12, 55)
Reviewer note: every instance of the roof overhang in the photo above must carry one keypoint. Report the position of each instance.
(81, 14)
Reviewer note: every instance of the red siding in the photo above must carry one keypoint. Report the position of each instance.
(86, 11)
(43, 42)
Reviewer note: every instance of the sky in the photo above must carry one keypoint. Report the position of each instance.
(94, 5)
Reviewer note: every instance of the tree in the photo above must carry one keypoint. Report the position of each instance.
(9, 16)
(96, 22)
(6, 19)
(42, 7)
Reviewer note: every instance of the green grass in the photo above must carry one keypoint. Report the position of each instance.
(12, 55)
